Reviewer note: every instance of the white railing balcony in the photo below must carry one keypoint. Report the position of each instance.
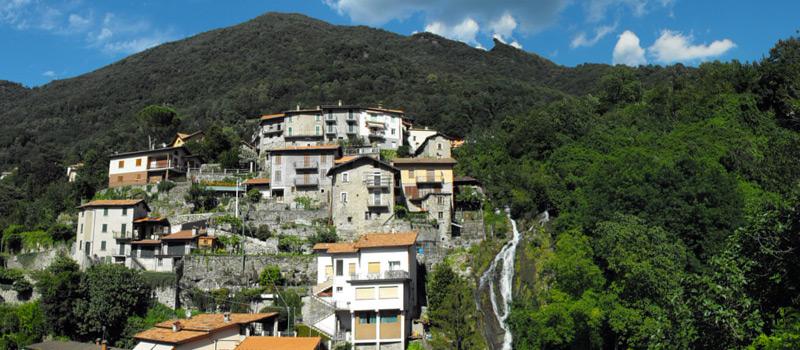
(303, 181)
(305, 164)
(378, 202)
(330, 118)
(372, 181)
(385, 275)
(122, 235)
(377, 135)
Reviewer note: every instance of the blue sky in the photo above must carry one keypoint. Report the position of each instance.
(45, 40)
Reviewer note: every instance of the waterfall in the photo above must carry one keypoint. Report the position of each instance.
(506, 256)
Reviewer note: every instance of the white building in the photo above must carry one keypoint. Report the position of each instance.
(101, 221)
(371, 287)
(417, 136)
(150, 166)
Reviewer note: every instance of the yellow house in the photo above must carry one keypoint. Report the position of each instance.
(181, 139)
(423, 177)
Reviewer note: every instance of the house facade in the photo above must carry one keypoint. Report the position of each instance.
(373, 289)
(434, 146)
(270, 132)
(300, 171)
(207, 332)
(100, 222)
(417, 136)
(157, 252)
(363, 191)
(421, 177)
(150, 166)
(181, 138)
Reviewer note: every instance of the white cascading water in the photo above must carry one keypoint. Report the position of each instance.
(506, 280)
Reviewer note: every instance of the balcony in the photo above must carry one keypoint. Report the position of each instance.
(351, 118)
(429, 180)
(378, 203)
(122, 235)
(306, 181)
(330, 131)
(330, 118)
(384, 276)
(351, 131)
(305, 164)
(372, 181)
(361, 150)
(377, 135)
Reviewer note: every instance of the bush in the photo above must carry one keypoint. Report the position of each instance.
(61, 232)
(290, 244)
(326, 234)
(165, 186)
(270, 277)
(254, 195)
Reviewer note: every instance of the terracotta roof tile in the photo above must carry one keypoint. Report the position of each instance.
(385, 109)
(186, 234)
(374, 240)
(256, 182)
(345, 159)
(147, 241)
(271, 116)
(279, 343)
(211, 322)
(166, 335)
(337, 247)
(112, 203)
(153, 219)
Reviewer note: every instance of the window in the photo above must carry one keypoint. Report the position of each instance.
(330, 114)
(367, 215)
(105, 228)
(121, 163)
(278, 175)
(328, 270)
(349, 219)
(317, 130)
(441, 215)
(374, 267)
(393, 119)
(389, 319)
(124, 211)
(81, 228)
(393, 131)
(365, 293)
(161, 263)
(278, 159)
(339, 268)
(394, 265)
(82, 213)
(345, 177)
(351, 128)
(102, 246)
(344, 197)
(138, 176)
(123, 229)
(439, 146)
(411, 173)
(440, 200)
(415, 137)
(291, 118)
(330, 129)
(339, 289)
(323, 158)
(351, 269)
(119, 178)
(290, 131)
(317, 117)
(139, 162)
(367, 318)
(350, 114)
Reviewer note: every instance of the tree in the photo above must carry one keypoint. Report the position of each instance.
(452, 311)
(254, 195)
(93, 175)
(229, 159)
(60, 289)
(157, 122)
(200, 197)
(271, 277)
(325, 234)
(112, 294)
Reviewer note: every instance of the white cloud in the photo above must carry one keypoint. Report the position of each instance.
(516, 44)
(465, 31)
(499, 38)
(49, 73)
(673, 46)
(596, 10)
(132, 46)
(628, 51)
(503, 26)
(581, 40)
(78, 24)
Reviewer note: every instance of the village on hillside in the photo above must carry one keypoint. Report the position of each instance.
(345, 207)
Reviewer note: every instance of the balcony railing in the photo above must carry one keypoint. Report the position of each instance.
(330, 118)
(377, 135)
(122, 235)
(330, 131)
(303, 181)
(378, 202)
(377, 182)
(385, 275)
(351, 131)
(361, 150)
(303, 164)
(429, 179)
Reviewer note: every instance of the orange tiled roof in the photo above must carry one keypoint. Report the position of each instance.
(182, 135)
(211, 322)
(272, 116)
(166, 335)
(112, 203)
(256, 182)
(424, 161)
(385, 109)
(149, 219)
(147, 241)
(373, 240)
(186, 234)
(346, 247)
(279, 343)
(299, 148)
(345, 159)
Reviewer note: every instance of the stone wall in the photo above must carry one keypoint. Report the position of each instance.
(36, 260)
(166, 295)
(209, 272)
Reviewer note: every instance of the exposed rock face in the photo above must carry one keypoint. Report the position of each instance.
(214, 272)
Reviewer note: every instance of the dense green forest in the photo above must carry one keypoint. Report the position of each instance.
(676, 208)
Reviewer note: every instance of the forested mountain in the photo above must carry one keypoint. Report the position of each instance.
(274, 62)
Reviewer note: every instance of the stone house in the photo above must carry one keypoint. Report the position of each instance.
(300, 171)
(363, 191)
(434, 146)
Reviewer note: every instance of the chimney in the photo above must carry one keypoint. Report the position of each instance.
(176, 326)
(298, 106)
(227, 317)
(340, 102)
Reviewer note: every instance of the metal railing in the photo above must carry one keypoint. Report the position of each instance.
(379, 135)
(330, 118)
(429, 179)
(385, 275)
(302, 164)
(378, 202)
(303, 181)
(122, 235)
(361, 150)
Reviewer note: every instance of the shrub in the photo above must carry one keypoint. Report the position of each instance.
(164, 186)
(254, 195)
(271, 276)
(326, 234)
